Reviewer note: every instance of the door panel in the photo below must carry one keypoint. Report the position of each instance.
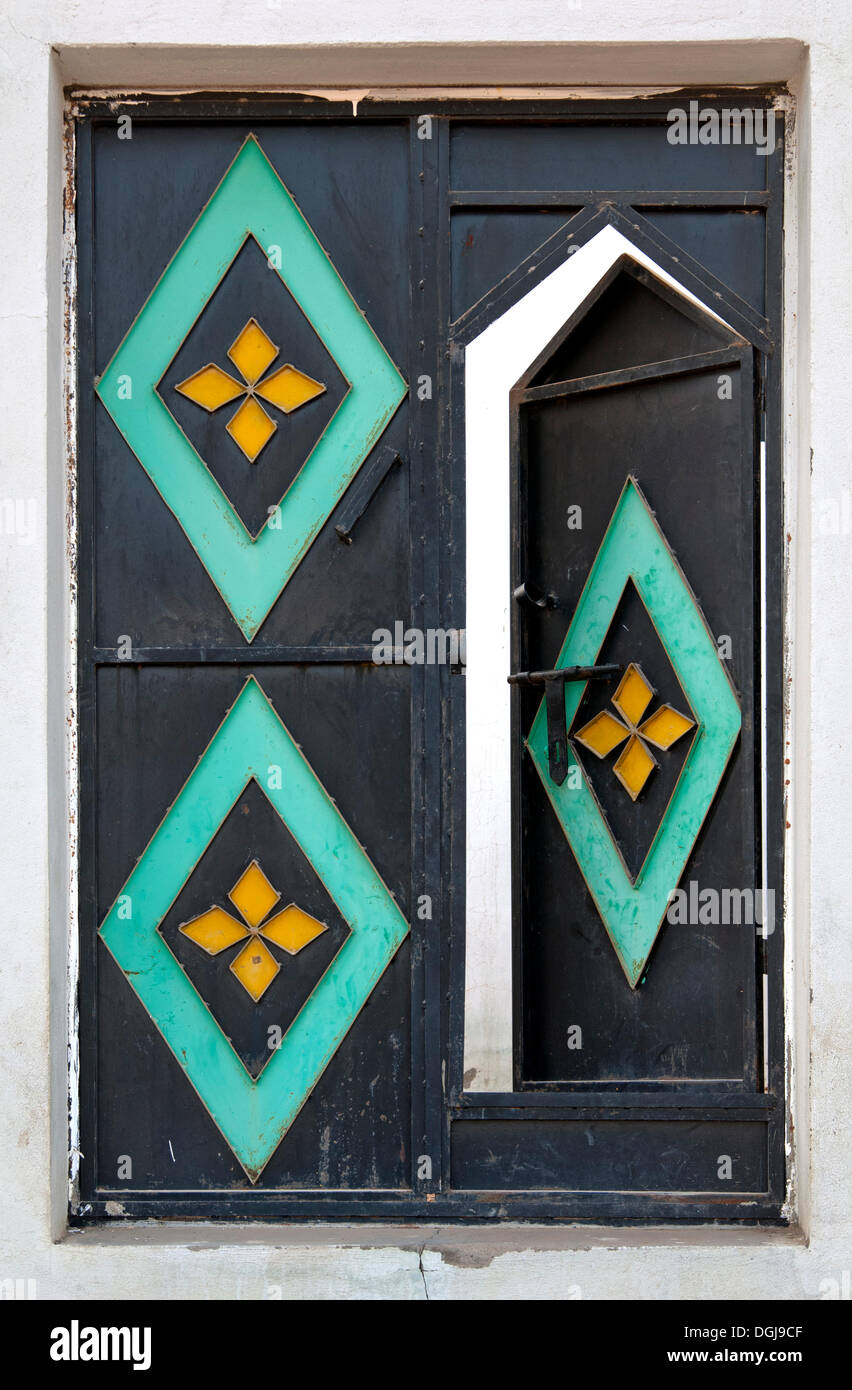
(730, 244)
(153, 722)
(637, 501)
(156, 590)
(603, 156)
(688, 442)
(652, 1156)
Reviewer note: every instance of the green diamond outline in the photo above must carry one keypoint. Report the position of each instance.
(635, 548)
(249, 572)
(253, 1115)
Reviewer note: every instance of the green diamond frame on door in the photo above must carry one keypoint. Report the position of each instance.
(252, 1114)
(249, 572)
(634, 548)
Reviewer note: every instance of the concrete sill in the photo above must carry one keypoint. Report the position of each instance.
(467, 1246)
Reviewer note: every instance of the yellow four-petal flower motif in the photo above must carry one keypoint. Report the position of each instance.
(604, 732)
(252, 353)
(254, 898)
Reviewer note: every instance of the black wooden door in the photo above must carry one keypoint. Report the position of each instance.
(250, 765)
(645, 412)
(276, 303)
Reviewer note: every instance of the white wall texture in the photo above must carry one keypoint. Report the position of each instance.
(540, 43)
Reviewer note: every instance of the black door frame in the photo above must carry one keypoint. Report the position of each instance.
(437, 583)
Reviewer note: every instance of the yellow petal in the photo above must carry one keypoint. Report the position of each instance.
(633, 695)
(288, 388)
(292, 929)
(634, 767)
(252, 352)
(214, 930)
(253, 894)
(251, 428)
(255, 967)
(602, 734)
(665, 726)
(211, 387)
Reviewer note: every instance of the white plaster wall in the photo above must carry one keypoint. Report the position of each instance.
(540, 42)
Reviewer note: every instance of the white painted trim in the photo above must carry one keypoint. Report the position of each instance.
(613, 44)
(802, 348)
(70, 633)
(494, 361)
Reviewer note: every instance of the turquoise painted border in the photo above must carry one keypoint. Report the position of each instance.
(634, 548)
(253, 1115)
(250, 572)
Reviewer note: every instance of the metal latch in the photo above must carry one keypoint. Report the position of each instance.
(554, 696)
(530, 593)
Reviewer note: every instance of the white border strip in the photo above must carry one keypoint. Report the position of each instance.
(494, 362)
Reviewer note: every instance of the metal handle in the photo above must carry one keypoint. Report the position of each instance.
(554, 695)
(530, 593)
(566, 673)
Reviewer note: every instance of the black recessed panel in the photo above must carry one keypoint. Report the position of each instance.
(251, 289)
(632, 638)
(487, 245)
(628, 325)
(689, 1016)
(254, 832)
(602, 156)
(615, 1155)
(732, 245)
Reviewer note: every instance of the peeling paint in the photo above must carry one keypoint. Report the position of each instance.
(69, 387)
(795, 653)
